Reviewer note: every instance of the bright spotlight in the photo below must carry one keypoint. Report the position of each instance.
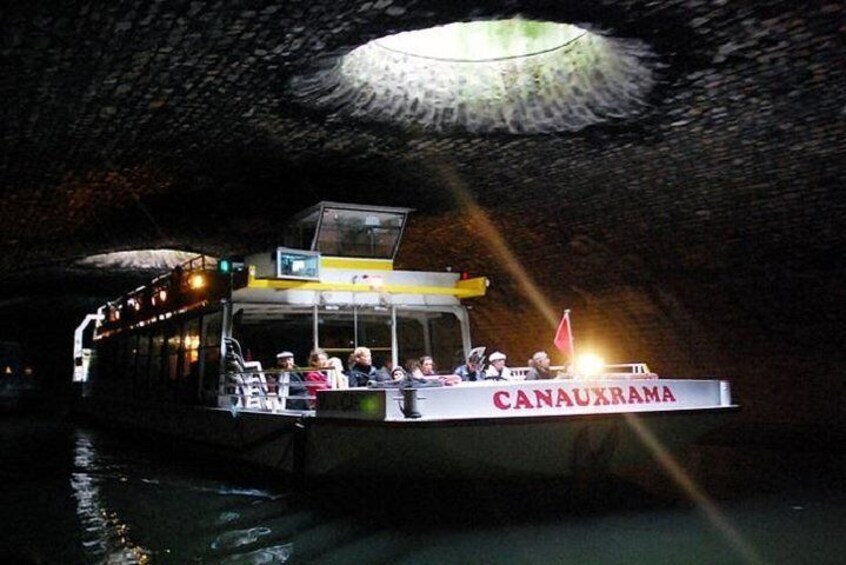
(589, 364)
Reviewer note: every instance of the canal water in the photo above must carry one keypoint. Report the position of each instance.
(72, 494)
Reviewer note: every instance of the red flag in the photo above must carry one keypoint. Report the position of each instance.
(564, 336)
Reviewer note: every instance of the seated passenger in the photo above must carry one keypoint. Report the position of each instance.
(425, 371)
(399, 374)
(497, 370)
(471, 371)
(285, 360)
(412, 367)
(363, 371)
(539, 369)
(289, 376)
(337, 377)
(317, 380)
(427, 367)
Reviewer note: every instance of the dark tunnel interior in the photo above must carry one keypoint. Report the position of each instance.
(690, 214)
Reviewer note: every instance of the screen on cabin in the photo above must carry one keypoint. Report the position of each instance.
(293, 264)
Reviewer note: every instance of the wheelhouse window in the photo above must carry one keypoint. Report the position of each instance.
(348, 230)
(359, 233)
(300, 234)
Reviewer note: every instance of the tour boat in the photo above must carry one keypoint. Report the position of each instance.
(191, 355)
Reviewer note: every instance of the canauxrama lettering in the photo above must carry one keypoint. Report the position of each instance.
(596, 396)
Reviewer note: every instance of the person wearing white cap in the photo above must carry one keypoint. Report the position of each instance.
(285, 360)
(293, 379)
(497, 370)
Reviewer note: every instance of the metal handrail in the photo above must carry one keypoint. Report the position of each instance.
(255, 393)
(258, 394)
(614, 371)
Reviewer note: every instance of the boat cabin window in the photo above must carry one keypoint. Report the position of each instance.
(300, 234)
(436, 335)
(359, 233)
(340, 333)
(177, 360)
(347, 230)
(263, 333)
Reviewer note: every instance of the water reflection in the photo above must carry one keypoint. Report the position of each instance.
(273, 554)
(73, 495)
(110, 484)
(106, 538)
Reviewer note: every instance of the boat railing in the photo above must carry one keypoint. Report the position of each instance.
(520, 373)
(627, 371)
(275, 390)
(617, 371)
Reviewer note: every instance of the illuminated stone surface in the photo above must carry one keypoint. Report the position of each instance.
(486, 77)
(160, 259)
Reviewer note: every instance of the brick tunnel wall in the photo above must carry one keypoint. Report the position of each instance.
(784, 360)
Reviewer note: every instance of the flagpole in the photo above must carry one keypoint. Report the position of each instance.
(564, 334)
(572, 337)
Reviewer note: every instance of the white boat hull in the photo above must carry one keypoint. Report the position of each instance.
(494, 448)
(551, 447)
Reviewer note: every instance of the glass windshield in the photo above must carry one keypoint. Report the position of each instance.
(359, 233)
(300, 235)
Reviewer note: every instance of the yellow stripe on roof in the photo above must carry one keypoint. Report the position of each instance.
(469, 288)
(356, 263)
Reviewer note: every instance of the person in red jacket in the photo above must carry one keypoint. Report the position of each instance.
(317, 378)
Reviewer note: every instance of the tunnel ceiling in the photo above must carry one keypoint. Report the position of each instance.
(203, 125)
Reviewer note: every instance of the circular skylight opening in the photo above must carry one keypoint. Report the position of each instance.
(506, 76)
(476, 42)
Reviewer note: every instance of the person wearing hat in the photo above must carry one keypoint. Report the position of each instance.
(539, 367)
(285, 360)
(497, 371)
(398, 374)
(288, 375)
(472, 371)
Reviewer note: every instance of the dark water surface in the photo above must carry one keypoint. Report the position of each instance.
(72, 494)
